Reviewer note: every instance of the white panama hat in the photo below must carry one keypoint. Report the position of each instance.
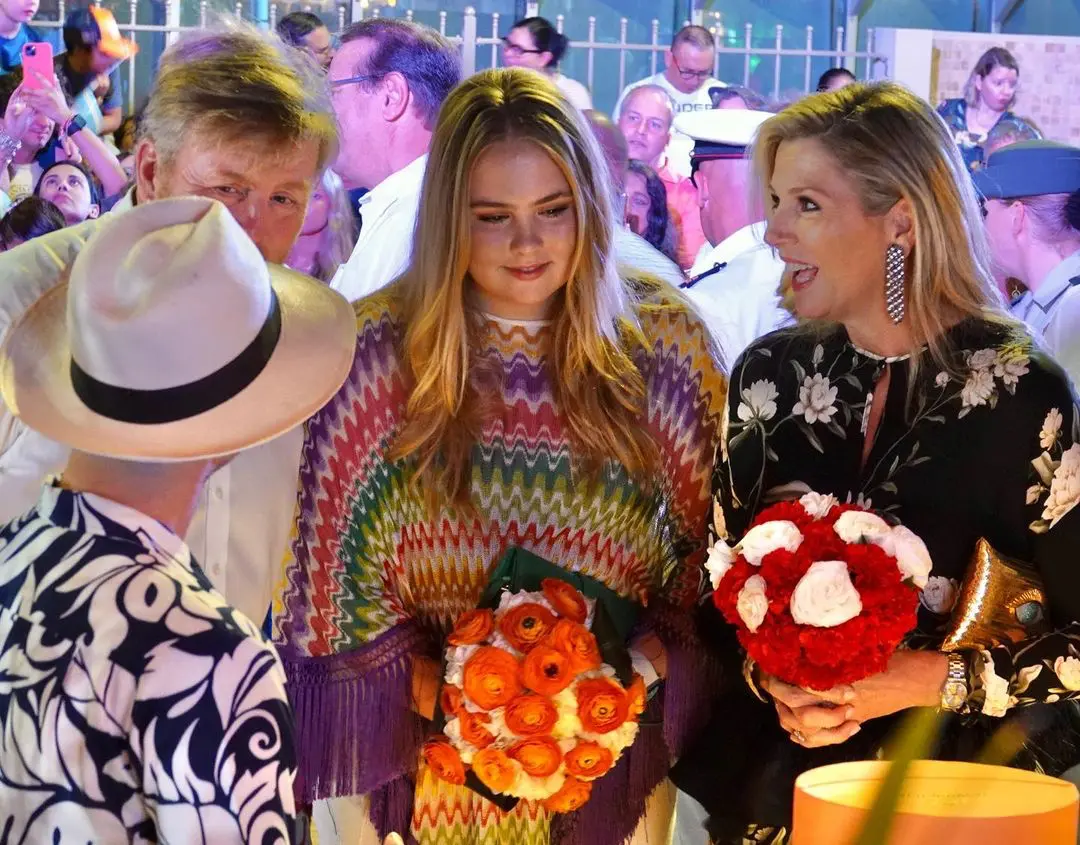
(172, 339)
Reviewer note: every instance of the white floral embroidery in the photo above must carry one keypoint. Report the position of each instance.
(817, 505)
(719, 520)
(939, 595)
(996, 688)
(817, 399)
(1011, 363)
(1034, 493)
(1065, 487)
(1051, 428)
(983, 359)
(1068, 671)
(819, 355)
(978, 388)
(942, 379)
(759, 401)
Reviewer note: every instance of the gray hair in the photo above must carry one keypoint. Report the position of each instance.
(234, 82)
(752, 99)
(429, 63)
(651, 89)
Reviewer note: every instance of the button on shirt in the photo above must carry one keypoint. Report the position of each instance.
(388, 213)
(740, 302)
(241, 528)
(136, 705)
(1053, 311)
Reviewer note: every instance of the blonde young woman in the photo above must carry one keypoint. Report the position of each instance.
(907, 389)
(328, 235)
(510, 390)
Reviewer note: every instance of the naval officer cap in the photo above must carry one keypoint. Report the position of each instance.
(1030, 169)
(721, 133)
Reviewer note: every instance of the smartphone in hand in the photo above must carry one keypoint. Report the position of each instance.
(37, 58)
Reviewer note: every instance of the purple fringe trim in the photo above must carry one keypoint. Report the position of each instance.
(391, 808)
(618, 798)
(355, 730)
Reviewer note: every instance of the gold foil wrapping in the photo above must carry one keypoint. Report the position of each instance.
(1001, 600)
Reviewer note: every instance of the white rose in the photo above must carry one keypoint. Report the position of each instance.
(982, 359)
(752, 603)
(817, 399)
(721, 558)
(768, 537)
(861, 527)
(1068, 671)
(912, 556)
(978, 388)
(825, 596)
(939, 594)
(1051, 427)
(759, 401)
(817, 505)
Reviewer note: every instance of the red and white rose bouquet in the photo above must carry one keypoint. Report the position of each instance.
(820, 593)
(531, 708)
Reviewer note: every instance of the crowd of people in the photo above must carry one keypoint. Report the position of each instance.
(293, 356)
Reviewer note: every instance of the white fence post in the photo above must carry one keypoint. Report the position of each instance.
(468, 42)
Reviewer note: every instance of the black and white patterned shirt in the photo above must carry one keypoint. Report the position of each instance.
(135, 704)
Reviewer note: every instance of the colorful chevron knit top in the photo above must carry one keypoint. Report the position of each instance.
(372, 579)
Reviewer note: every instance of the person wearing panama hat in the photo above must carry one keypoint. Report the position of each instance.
(171, 346)
(1031, 205)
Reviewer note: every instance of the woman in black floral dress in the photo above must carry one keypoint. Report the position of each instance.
(910, 391)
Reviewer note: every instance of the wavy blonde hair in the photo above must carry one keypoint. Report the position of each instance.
(895, 146)
(597, 384)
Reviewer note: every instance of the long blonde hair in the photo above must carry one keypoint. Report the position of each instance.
(337, 240)
(894, 146)
(597, 385)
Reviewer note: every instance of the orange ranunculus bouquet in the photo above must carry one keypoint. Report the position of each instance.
(531, 709)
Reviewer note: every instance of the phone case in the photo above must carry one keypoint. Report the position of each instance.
(37, 58)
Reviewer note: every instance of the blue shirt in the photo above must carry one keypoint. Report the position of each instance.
(135, 704)
(11, 48)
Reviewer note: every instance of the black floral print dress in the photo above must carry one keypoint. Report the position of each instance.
(984, 448)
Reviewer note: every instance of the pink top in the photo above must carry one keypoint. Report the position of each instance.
(682, 201)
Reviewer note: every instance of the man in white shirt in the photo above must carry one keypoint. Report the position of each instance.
(687, 78)
(736, 284)
(388, 81)
(206, 131)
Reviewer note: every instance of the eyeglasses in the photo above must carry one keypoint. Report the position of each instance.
(352, 80)
(516, 50)
(690, 75)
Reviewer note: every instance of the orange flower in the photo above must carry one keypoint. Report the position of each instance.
(472, 627)
(546, 670)
(525, 625)
(572, 796)
(450, 700)
(588, 760)
(473, 730)
(567, 601)
(443, 759)
(495, 770)
(529, 715)
(602, 705)
(491, 677)
(637, 696)
(539, 755)
(578, 643)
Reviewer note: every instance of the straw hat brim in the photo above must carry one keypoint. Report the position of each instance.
(311, 361)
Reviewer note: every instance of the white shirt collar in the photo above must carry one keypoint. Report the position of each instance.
(406, 181)
(1057, 281)
(735, 244)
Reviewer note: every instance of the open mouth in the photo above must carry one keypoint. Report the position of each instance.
(529, 272)
(802, 275)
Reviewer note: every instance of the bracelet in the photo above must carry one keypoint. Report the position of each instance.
(954, 691)
(8, 147)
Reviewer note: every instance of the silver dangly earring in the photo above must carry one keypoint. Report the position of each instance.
(894, 283)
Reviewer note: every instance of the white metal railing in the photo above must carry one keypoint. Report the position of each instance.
(471, 42)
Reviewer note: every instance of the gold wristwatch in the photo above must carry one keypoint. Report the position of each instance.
(954, 691)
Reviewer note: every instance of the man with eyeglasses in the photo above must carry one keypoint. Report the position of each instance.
(387, 80)
(686, 78)
(645, 120)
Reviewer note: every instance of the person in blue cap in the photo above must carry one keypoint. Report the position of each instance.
(1031, 203)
